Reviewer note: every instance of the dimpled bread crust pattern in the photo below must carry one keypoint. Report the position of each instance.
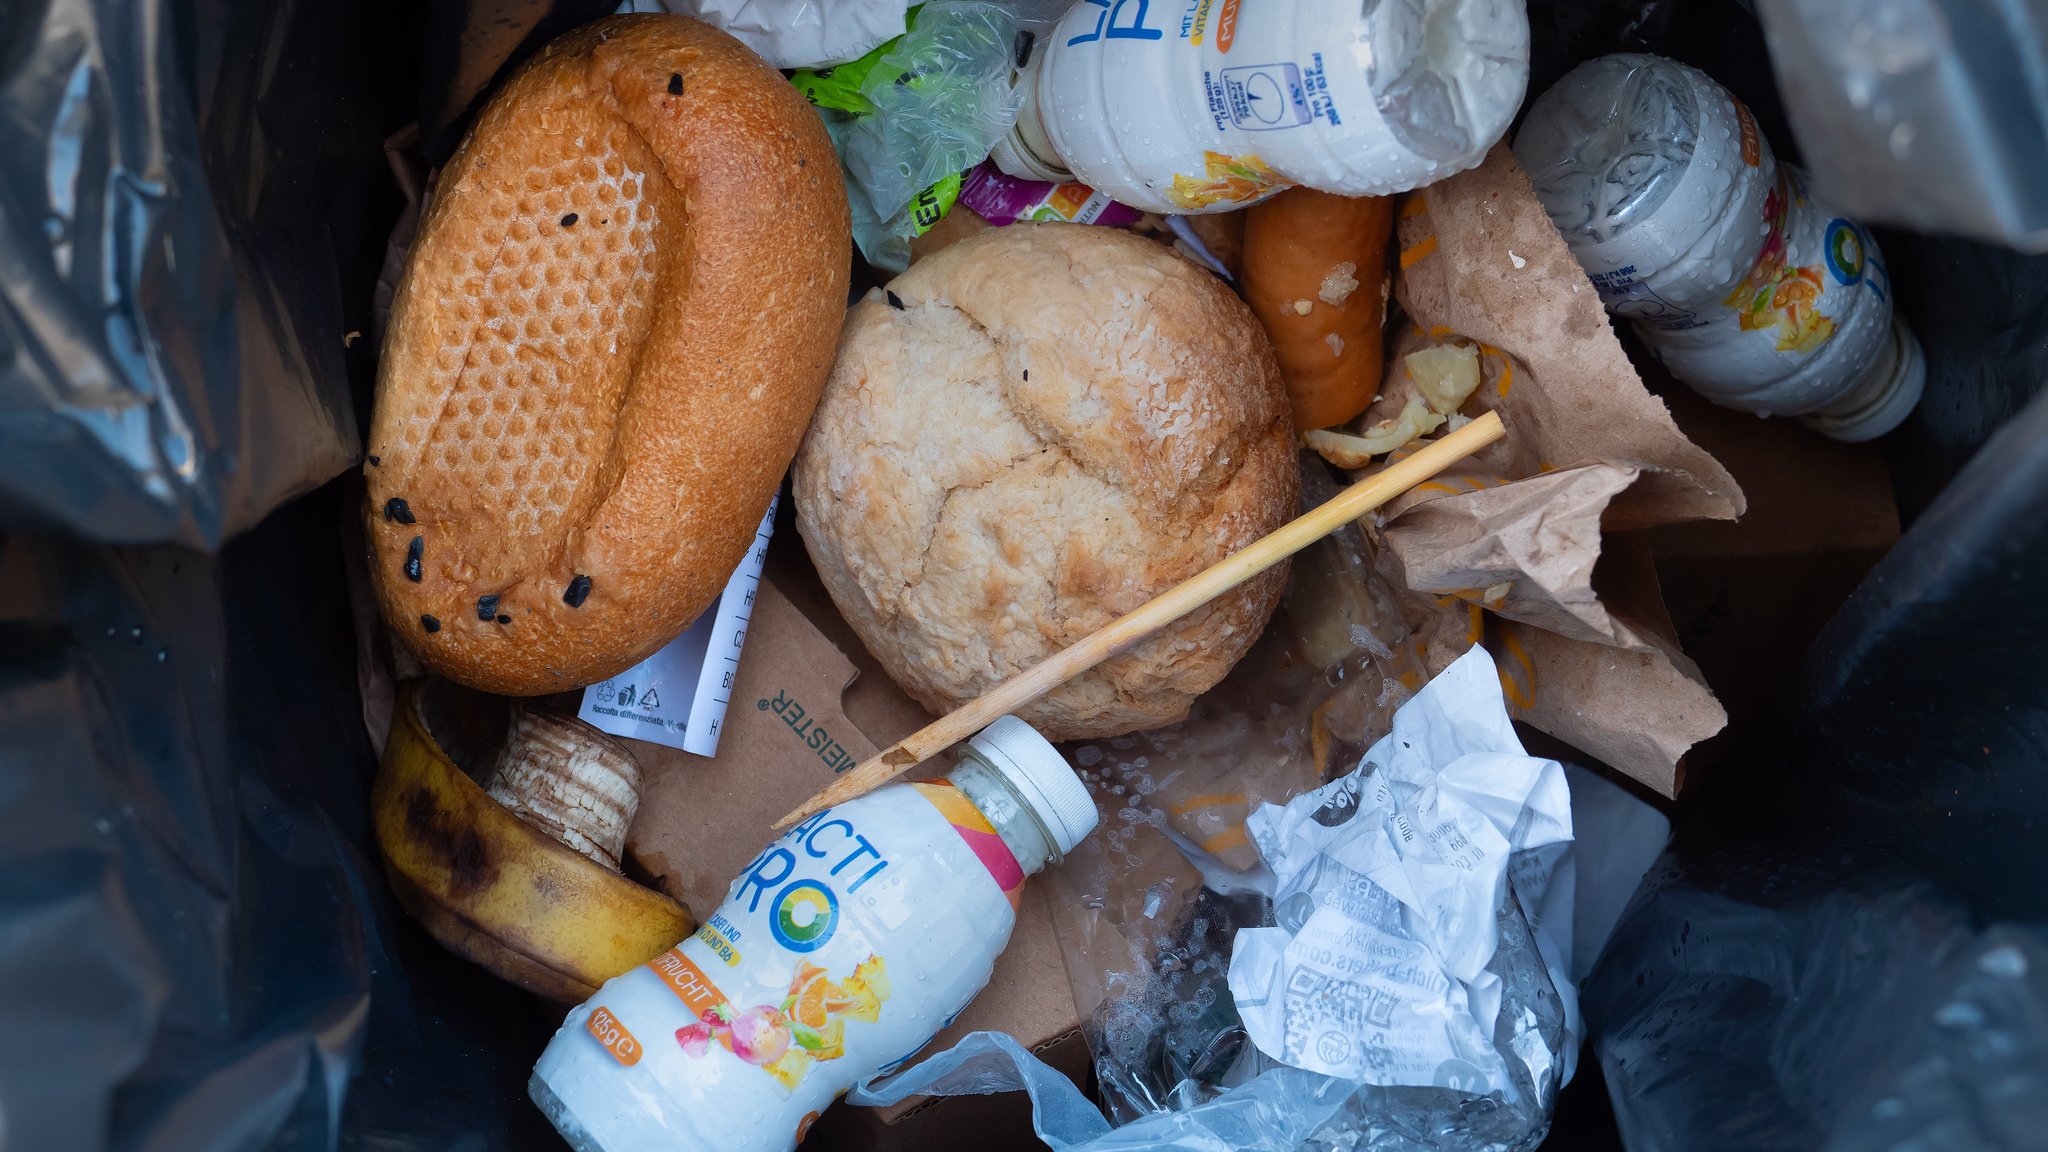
(609, 339)
(1032, 432)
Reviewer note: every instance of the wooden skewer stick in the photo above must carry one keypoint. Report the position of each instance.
(1127, 630)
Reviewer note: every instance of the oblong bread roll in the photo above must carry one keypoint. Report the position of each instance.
(616, 321)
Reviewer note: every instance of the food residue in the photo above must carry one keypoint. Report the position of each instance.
(1446, 375)
(1341, 282)
(1348, 451)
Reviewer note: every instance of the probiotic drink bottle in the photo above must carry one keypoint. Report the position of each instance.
(1748, 288)
(1208, 105)
(844, 947)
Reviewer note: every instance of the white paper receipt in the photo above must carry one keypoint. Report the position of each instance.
(678, 695)
(1387, 885)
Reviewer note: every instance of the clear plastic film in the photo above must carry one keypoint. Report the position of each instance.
(1156, 907)
(930, 106)
(1151, 904)
(1931, 114)
(1403, 992)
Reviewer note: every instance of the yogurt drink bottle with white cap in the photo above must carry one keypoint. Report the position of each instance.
(841, 950)
(1188, 106)
(1748, 288)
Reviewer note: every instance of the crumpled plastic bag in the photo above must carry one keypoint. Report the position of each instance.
(1918, 116)
(795, 33)
(1813, 994)
(1387, 888)
(1529, 1034)
(1278, 1112)
(935, 103)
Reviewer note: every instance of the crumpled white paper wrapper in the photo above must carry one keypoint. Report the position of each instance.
(795, 33)
(1387, 886)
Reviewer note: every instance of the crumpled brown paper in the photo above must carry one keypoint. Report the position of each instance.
(1515, 546)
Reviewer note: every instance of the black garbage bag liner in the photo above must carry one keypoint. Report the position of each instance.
(197, 950)
(1781, 1001)
(182, 188)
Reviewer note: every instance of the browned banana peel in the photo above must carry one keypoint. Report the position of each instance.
(523, 877)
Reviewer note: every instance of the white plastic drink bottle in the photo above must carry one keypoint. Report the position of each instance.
(1748, 288)
(1209, 105)
(841, 950)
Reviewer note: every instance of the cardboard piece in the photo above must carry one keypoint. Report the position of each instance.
(702, 820)
(1749, 598)
(1519, 531)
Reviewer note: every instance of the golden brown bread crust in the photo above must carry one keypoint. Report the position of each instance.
(1060, 422)
(615, 324)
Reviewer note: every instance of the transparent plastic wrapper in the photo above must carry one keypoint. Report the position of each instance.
(927, 108)
(1304, 704)
(1147, 934)
(1931, 114)
(1405, 948)
(1442, 863)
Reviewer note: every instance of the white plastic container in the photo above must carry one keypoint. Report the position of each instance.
(844, 947)
(1210, 105)
(1748, 288)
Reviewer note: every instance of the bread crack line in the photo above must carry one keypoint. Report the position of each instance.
(1002, 472)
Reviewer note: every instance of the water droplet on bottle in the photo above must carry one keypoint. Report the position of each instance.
(1960, 1014)
(2005, 962)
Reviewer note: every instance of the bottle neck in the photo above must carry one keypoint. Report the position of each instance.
(1883, 397)
(1016, 822)
(1026, 151)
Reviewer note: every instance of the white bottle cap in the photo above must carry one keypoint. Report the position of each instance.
(1042, 778)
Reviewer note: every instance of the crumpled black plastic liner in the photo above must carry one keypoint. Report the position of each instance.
(197, 950)
(185, 189)
(195, 944)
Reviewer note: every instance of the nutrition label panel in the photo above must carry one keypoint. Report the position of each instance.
(677, 696)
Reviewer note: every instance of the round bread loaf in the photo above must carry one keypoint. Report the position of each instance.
(1032, 432)
(608, 342)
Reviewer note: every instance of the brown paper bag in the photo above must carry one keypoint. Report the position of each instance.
(1518, 530)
